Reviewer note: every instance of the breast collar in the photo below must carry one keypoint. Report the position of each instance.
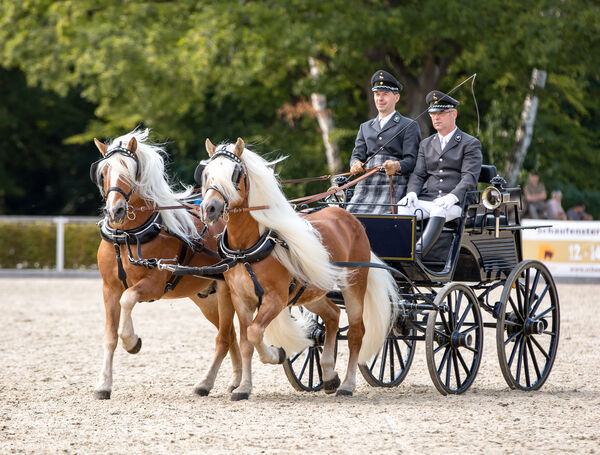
(257, 252)
(141, 234)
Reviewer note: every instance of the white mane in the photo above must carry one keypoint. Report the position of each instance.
(306, 258)
(153, 182)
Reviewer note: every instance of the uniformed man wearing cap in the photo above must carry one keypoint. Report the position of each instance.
(448, 166)
(399, 137)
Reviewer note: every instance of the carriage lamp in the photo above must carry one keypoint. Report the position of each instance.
(493, 197)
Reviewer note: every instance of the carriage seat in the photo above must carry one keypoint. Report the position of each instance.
(488, 172)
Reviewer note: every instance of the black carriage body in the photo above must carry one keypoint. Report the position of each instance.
(469, 248)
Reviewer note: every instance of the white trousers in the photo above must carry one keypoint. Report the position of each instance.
(426, 209)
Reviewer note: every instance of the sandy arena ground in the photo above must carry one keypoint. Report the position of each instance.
(51, 344)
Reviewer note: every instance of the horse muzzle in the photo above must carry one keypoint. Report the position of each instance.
(211, 210)
(117, 212)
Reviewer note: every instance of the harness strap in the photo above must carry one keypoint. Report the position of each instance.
(175, 279)
(258, 290)
(122, 274)
(298, 294)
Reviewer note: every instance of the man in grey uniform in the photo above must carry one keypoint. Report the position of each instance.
(398, 157)
(448, 166)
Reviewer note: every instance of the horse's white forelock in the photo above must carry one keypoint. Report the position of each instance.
(306, 258)
(153, 182)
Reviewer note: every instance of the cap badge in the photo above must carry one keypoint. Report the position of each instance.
(435, 96)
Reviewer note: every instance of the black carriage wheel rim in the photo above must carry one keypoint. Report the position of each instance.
(528, 328)
(390, 365)
(454, 340)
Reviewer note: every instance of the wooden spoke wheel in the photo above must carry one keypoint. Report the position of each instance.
(528, 326)
(454, 339)
(303, 369)
(390, 365)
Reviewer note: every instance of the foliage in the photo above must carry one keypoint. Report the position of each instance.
(223, 69)
(33, 245)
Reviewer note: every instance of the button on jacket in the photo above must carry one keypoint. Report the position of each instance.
(403, 148)
(452, 170)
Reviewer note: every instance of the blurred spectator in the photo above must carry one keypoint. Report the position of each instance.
(577, 213)
(554, 207)
(535, 197)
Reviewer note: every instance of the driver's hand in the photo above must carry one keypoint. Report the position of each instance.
(391, 167)
(357, 167)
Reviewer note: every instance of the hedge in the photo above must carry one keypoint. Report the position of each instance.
(32, 245)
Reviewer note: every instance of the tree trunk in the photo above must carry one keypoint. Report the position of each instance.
(525, 129)
(319, 104)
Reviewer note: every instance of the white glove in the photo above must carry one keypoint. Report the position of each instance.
(410, 200)
(446, 201)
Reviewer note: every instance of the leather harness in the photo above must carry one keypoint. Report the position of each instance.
(144, 234)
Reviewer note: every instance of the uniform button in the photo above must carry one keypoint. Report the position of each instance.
(441, 159)
(441, 180)
(379, 138)
(441, 170)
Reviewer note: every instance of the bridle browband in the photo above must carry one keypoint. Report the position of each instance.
(118, 148)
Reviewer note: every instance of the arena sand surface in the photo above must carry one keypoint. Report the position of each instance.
(51, 344)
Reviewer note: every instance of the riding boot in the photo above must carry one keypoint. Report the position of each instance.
(430, 235)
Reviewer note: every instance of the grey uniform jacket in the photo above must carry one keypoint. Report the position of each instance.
(452, 170)
(403, 148)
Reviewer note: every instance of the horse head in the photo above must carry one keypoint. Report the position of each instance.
(117, 175)
(221, 180)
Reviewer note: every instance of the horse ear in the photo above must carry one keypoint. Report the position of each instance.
(132, 145)
(210, 147)
(101, 146)
(239, 147)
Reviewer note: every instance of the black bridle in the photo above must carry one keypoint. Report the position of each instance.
(118, 148)
(238, 172)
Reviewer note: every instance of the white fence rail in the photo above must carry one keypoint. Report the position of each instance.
(60, 222)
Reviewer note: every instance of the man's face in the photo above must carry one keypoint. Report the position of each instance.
(443, 121)
(534, 179)
(385, 101)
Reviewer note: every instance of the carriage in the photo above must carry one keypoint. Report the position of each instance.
(476, 265)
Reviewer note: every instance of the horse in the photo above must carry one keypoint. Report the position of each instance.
(279, 257)
(131, 176)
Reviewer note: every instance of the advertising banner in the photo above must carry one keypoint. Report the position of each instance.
(568, 248)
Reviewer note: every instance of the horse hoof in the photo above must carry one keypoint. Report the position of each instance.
(331, 385)
(102, 394)
(343, 393)
(201, 391)
(239, 396)
(136, 348)
(231, 388)
(282, 356)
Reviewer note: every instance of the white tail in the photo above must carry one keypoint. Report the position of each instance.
(380, 297)
(290, 333)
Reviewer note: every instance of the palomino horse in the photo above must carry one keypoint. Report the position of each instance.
(131, 175)
(284, 257)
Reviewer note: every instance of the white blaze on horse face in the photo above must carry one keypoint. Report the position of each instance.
(113, 181)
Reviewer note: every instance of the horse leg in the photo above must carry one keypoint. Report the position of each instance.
(242, 392)
(112, 310)
(218, 309)
(330, 314)
(268, 311)
(353, 299)
(129, 340)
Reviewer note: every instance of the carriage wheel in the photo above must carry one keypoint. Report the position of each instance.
(390, 365)
(528, 326)
(454, 339)
(303, 369)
